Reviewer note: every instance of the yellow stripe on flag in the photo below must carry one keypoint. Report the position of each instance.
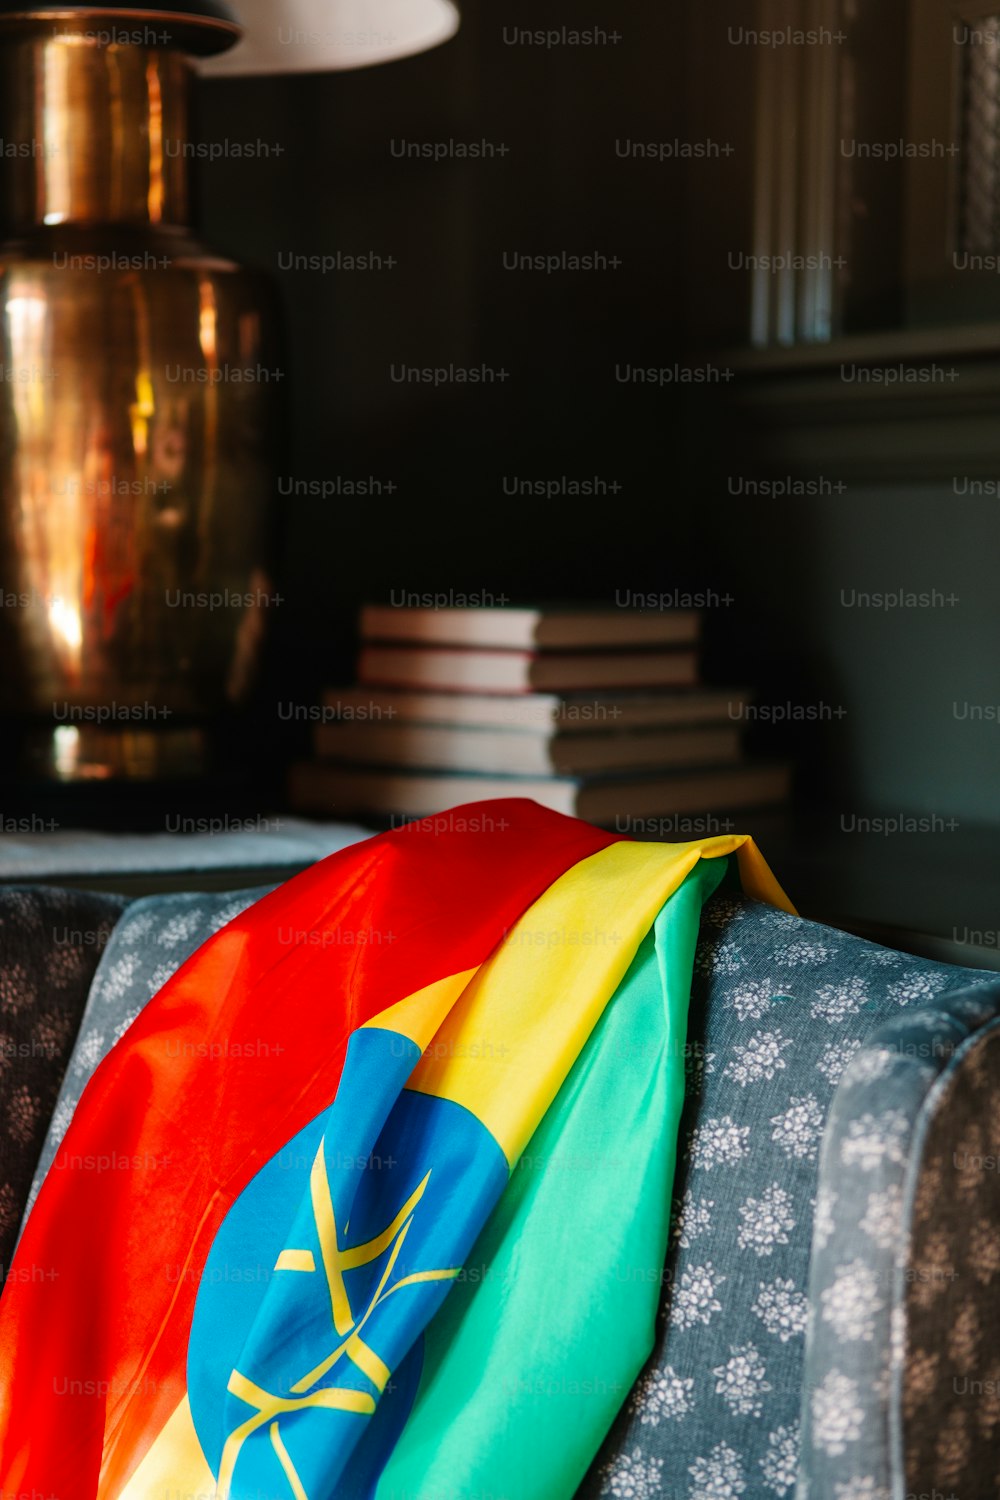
(174, 1465)
(501, 1039)
(420, 1014)
(509, 1042)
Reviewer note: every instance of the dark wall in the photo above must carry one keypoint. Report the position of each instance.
(560, 187)
(564, 115)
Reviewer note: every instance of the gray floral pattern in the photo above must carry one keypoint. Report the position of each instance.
(782, 1015)
(833, 1274)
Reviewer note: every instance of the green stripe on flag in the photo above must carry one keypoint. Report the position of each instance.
(541, 1338)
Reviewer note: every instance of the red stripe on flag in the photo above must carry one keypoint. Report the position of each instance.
(240, 1050)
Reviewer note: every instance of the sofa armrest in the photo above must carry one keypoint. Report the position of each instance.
(50, 943)
(892, 1228)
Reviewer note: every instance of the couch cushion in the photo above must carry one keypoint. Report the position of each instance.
(50, 944)
(778, 1008)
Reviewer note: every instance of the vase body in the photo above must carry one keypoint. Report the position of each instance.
(137, 419)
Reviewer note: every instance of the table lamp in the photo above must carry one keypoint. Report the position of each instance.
(309, 36)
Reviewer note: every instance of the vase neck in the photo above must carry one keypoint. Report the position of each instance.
(92, 132)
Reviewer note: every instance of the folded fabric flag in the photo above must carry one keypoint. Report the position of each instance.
(314, 1230)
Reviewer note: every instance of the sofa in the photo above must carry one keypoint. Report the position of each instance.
(830, 1303)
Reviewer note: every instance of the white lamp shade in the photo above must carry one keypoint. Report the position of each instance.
(318, 36)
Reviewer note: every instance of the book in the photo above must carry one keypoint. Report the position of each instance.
(547, 628)
(460, 671)
(451, 747)
(541, 712)
(336, 790)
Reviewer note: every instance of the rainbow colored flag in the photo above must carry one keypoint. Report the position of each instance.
(377, 1187)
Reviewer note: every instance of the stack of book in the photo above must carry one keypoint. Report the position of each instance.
(595, 713)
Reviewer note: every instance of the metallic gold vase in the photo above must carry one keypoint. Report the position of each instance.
(138, 382)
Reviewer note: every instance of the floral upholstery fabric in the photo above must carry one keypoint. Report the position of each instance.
(784, 1015)
(50, 944)
(150, 943)
(869, 1289)
(779, 1008)
(947, 1398)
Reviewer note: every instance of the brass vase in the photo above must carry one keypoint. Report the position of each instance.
(138, 385)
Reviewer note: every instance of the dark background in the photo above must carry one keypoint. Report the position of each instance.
(892, 743)
(877, 692)
(564, 115)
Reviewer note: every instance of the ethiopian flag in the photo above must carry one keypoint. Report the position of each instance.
(372, 1199)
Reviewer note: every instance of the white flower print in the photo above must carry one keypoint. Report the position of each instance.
(861, 1489)
(89, 1053)
(227, 914)
(751, 999)
(718, 958)
(135, 929)
(717, 1142)
(851, 1304)
(872, 1139)
(799, 1129)
(757, 1059)
(802, 953)
(837, 1415)
(834, 1002)
(119, 975)
(767, 1221)
(159, 977)
(126, 1022)
(781, 1308)
(692, 1219)
(915, 986)
(835, 1057)
(883, 1217)
(180, 928)
(872, 1064)
(662, 1396)
(718, 1477)
(881, 958)
(741, 1383)
(975, 1012)
(892, 1359)
(633, 1476)
(694, 1300)
(823, 1224)
(781, 1461)
(897, 1336)
(62, 1117)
